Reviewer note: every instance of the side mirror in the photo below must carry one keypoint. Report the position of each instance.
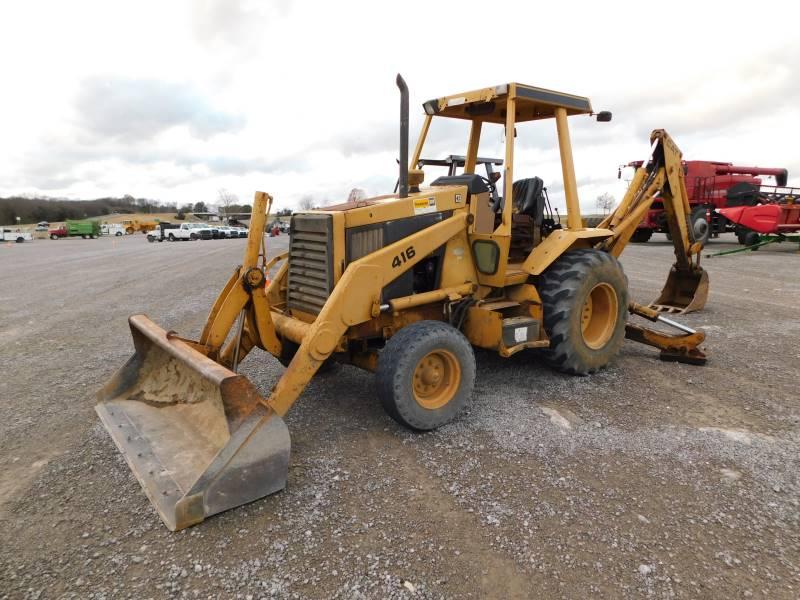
(604, 116)
(619, 173)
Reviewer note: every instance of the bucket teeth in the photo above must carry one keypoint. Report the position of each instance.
(684, 291)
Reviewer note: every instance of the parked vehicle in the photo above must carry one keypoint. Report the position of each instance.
(185, 231)
(161, 232)
(710, 186)
(208, 233)
(227, 232)
(90, 229)
(16, 235)
(115, 229)
(243, 231)
(133, 225)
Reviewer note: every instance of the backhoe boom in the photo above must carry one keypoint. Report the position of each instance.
(661, 177)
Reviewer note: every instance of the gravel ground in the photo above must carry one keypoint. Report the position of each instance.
(649, 479)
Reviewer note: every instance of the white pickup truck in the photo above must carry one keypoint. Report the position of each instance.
(15, 235)
(187, 231)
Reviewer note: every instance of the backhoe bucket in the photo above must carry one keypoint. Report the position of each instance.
(684, 291)
(196, 435)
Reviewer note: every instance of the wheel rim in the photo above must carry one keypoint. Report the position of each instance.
(700, 228)
(437, 377)
(599, 316)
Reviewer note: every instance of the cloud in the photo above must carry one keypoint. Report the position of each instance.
(139, 109)
(234, 22)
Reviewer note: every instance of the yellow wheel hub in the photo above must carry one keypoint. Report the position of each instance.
(436, 379)
(599, 316)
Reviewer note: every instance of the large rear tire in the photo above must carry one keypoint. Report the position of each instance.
(425, 375)
(699, 224)
(585, 300)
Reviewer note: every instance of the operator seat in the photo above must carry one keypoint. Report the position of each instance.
(526, 221)
(529, 198)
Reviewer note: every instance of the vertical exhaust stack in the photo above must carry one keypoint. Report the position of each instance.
(403, 187)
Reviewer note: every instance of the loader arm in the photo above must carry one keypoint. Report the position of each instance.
(661, 176)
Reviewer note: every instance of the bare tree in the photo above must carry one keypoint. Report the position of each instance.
(227, 198)
(605, 202)
(306, 203)
(356, 194)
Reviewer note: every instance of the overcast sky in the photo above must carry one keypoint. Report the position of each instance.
(173, 100)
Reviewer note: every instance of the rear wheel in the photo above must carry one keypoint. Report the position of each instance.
(751, 238)
(171, 238)
(425, 375)
(640, 236)
(129, 230)
(740, 234)
(701, 228)
(585, 301)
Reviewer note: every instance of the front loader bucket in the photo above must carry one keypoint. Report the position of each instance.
(683, 292)
(196, 435)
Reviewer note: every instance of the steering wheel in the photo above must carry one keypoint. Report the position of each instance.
(490, 184)
(497, 201)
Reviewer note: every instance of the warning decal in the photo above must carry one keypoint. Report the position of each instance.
(424, 205)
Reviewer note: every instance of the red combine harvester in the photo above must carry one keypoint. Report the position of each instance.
(711, 186)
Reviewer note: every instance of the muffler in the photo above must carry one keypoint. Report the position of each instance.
(684, 291)
(198, 437)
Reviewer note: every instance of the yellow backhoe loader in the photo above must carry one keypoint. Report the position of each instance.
(404, 285)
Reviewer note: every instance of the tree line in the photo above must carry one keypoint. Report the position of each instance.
(33, 210)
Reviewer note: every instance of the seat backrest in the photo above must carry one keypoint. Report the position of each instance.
(529, 198)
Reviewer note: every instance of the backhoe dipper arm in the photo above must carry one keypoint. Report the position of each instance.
(662, 175)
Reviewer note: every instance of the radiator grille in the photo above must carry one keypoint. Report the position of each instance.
(363, 240)
(310, 262)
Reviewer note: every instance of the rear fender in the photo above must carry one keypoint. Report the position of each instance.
(559, 242)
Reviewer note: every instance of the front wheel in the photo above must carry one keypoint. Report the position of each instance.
(171, 238)
(585, 302)
(53, 236)
(20, 240)
(425, 375)
(119, 233)
(640, 236)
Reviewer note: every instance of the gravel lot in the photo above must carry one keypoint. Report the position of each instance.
(649, 479)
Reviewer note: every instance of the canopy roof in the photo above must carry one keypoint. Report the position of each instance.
(489, 104)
